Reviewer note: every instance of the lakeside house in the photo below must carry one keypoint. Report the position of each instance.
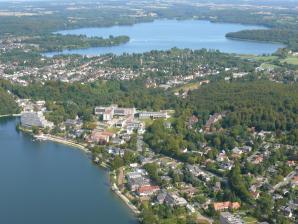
(147, 190)
(136, 180)
(101, 136)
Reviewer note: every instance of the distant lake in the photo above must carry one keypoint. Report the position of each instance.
(166, 34)
(50, 183)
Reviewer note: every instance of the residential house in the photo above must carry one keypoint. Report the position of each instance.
(221, 206)
(211, 121)
(161, 197)
(101, 136)
(147, 190)
(192, 121)
(136, 180)
(174, 200)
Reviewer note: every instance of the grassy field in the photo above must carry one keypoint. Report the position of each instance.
(259, 58)
(187, 87)
(250, 220)
(291, 60)
(267, 59)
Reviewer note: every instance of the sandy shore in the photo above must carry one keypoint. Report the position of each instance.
(62, 141)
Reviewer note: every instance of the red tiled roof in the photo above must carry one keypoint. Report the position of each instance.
(219, 206)
(107, 133)
(148, 188)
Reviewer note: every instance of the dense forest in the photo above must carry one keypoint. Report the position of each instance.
(7, 103)
(264, 105)
(287, 37)
(59, 42)
(77, 98)
(261, 104)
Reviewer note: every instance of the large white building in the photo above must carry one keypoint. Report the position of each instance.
(109, 112)
(228, 218)
(35, 119)
(154, 115)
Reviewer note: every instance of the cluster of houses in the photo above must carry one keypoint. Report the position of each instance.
(139, 183)
(125, 120)
(196, 171)
(170, 198)
(115, 124)
(60, 69)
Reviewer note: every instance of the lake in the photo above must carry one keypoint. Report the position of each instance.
(166, 34)
(45, 182)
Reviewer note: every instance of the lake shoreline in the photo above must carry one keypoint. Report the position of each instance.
(48, 175)
(254, 41)
(56, 139)
(10, 115)
(185, 34)
(133, 208)
(59, 140)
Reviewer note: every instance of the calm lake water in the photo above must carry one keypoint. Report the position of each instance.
(166, 34)
(49, 183)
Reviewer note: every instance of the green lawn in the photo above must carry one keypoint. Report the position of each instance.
(291, 60)
(268, 66)
(188, 86)
(250, 220)
(259, 58)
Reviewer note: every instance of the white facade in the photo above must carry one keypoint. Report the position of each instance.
(154, 115)
(30, 119)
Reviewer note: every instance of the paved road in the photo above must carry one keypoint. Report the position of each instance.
(286, 180)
